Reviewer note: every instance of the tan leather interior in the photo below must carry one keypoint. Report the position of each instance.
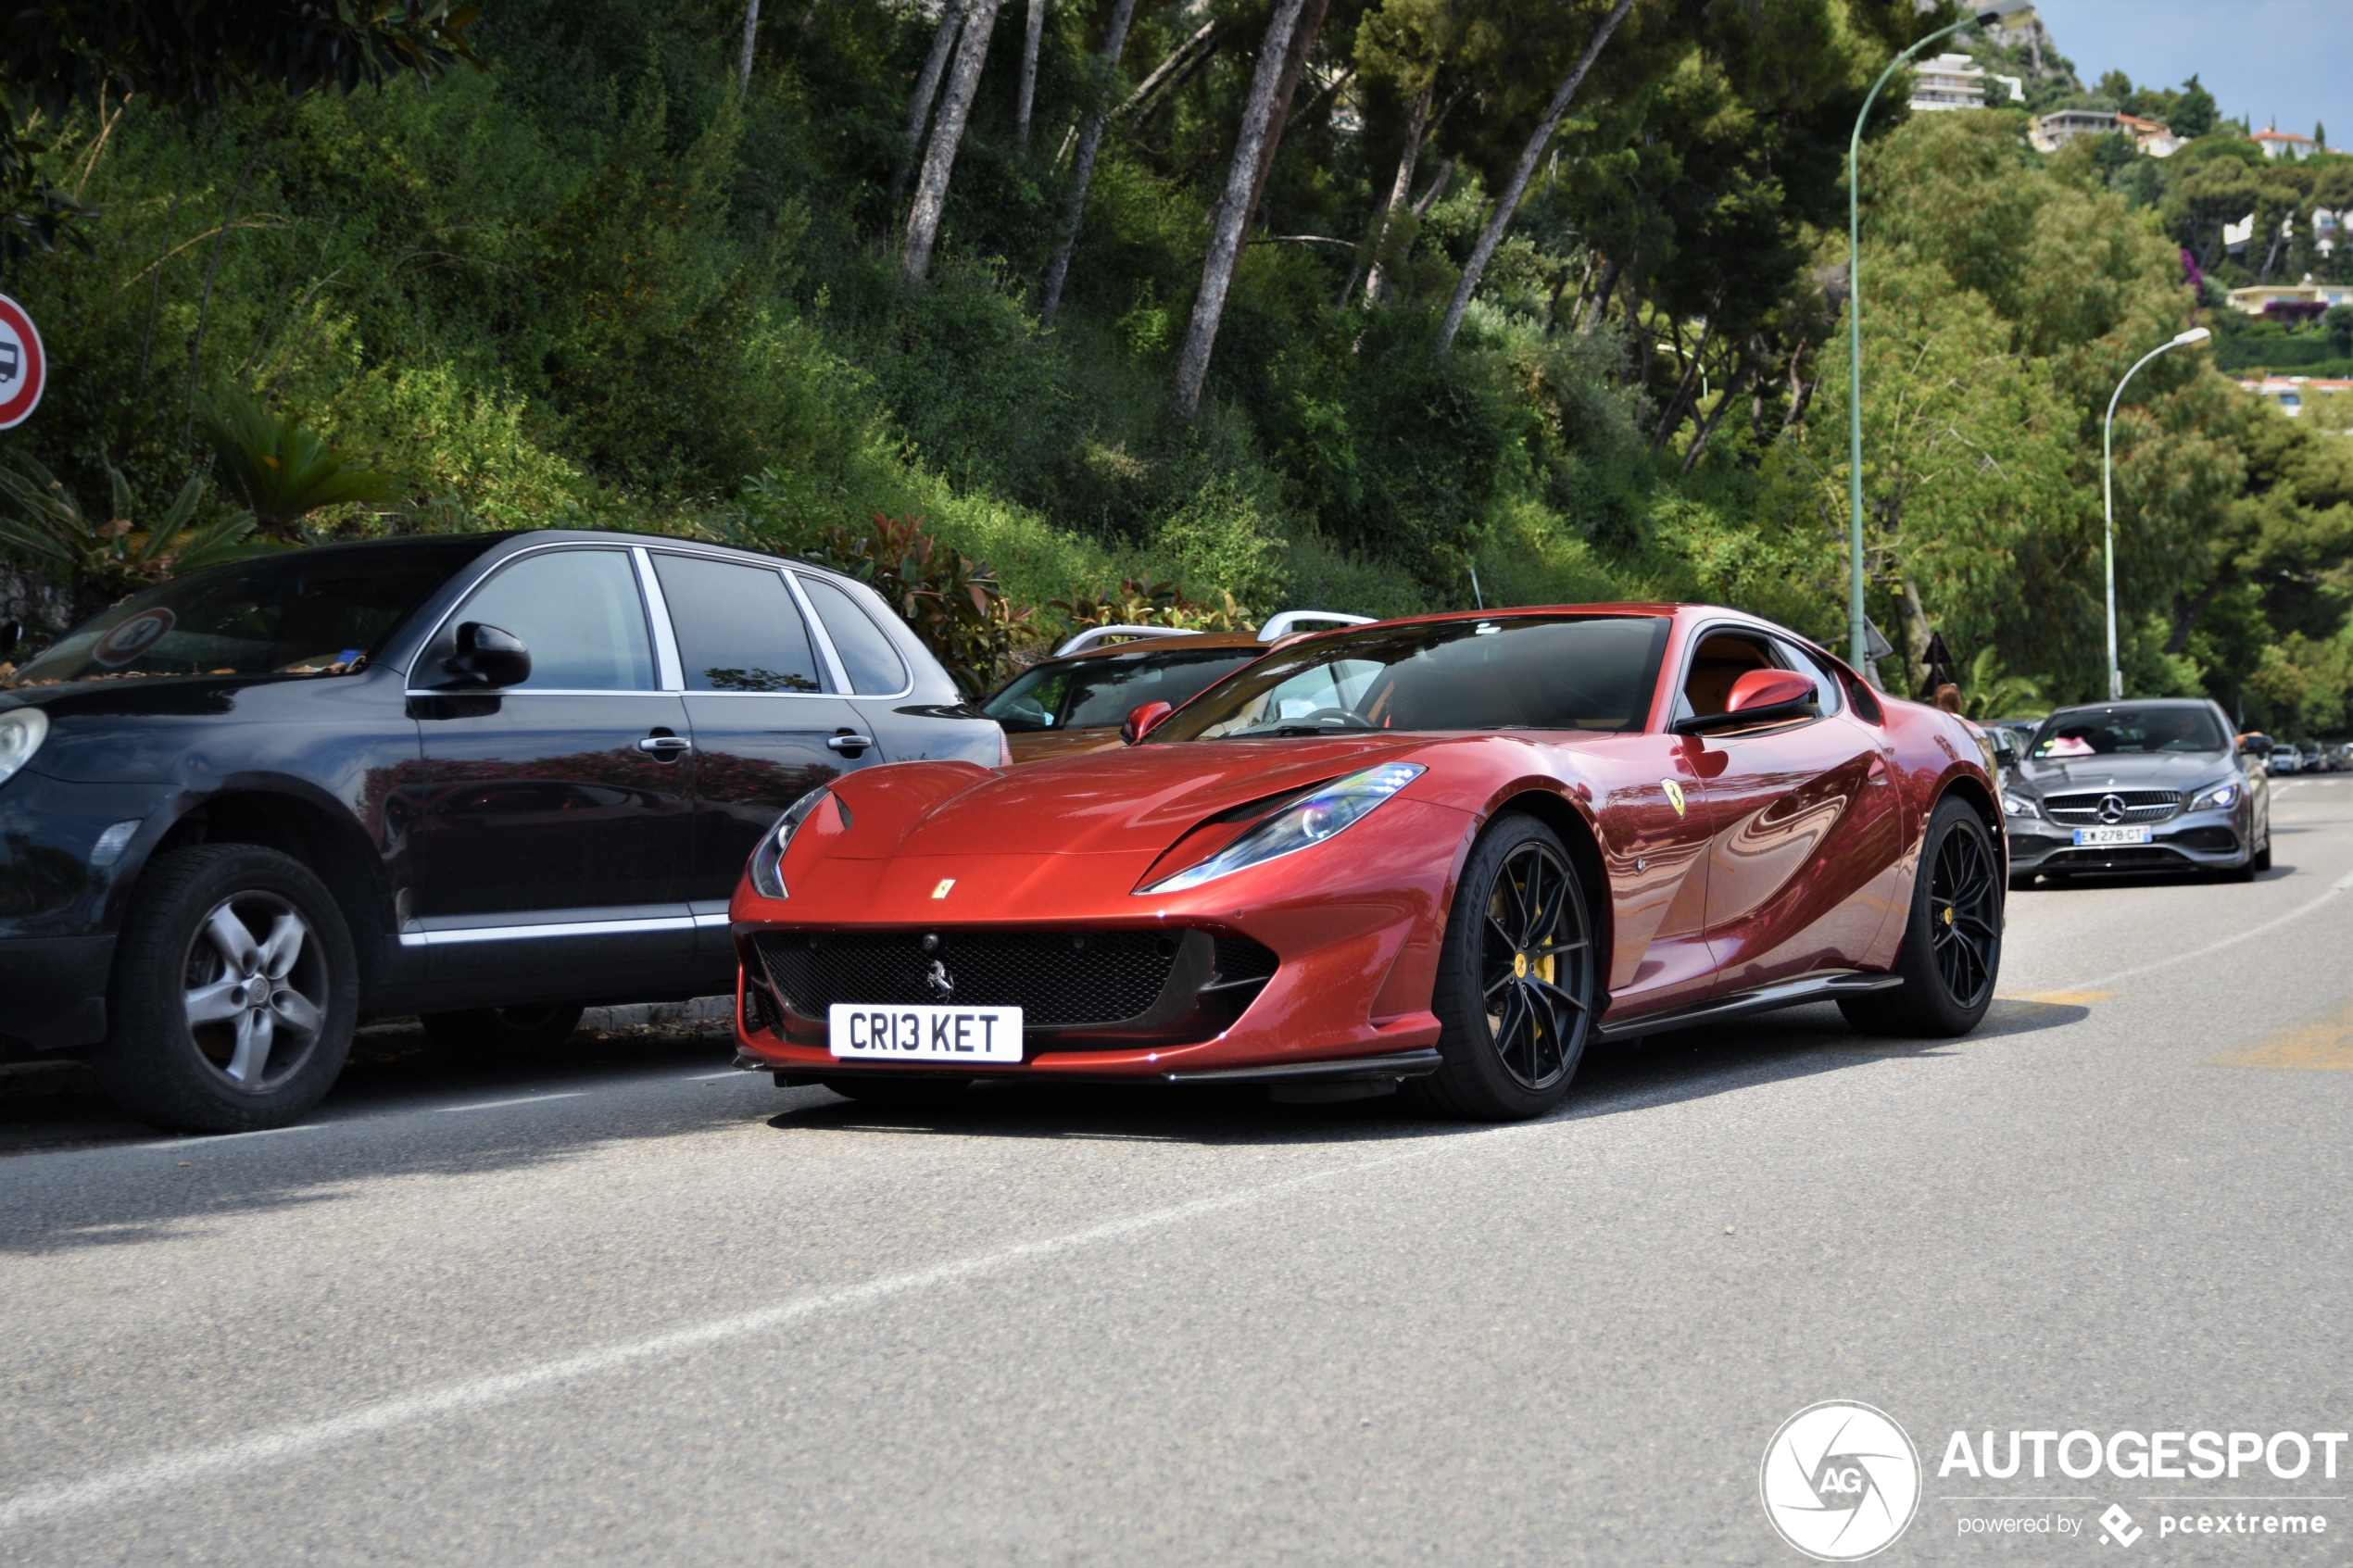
(1721, 659)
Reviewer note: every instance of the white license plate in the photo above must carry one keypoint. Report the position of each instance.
(2100, 836)
(924, 1034)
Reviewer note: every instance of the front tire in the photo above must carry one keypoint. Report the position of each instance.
(1952, 951)
(234, 995)
(1517, 974)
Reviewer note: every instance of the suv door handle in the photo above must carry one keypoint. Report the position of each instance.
(848, 743)
(666, 748)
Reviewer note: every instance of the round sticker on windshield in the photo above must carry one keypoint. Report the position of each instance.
(133, 639)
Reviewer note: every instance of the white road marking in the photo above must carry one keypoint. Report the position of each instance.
(527, 1099)
(2335, 889)
(730, 1073)
(473, 1394)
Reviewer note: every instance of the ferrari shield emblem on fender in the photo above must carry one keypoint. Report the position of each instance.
(947, 882)
(1674, 794)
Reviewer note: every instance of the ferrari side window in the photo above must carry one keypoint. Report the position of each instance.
(1722, 658)
(1802, 660)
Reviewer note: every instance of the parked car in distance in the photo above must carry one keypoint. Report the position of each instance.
(2283, 757)
(2156, 784)
(1447, 851)
(485, 779)
(1077, 700)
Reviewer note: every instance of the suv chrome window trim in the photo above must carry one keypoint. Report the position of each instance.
(670, 671)
(820, 634)
(465, 596)
(849, 586)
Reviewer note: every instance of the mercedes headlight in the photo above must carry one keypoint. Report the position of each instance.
(2220, 798)
(1299, 825)
(21, 732)
(768, 858)
(2019, 806)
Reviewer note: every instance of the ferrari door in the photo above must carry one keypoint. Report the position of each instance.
(1801, 821)
(1651, 802)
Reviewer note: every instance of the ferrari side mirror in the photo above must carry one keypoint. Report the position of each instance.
(1142, 719)
(488, 657)
(1761, 696)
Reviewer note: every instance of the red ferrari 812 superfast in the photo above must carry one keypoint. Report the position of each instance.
(1446, 853)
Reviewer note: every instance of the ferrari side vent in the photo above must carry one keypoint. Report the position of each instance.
(1060, 980)
(1242, 961)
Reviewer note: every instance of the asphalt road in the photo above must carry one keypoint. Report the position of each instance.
(643, 1309)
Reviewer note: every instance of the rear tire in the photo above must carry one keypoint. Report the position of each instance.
(525, 1031)
(1952, 951)
(1516, 980)
(901, 1093)
(234, 995)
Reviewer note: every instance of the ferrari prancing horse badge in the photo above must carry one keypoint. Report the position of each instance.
(1674, 794)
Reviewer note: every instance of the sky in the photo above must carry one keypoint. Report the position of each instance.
(2267, 60)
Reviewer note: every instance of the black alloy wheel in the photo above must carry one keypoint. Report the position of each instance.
(1965, 917)
(1516, 973)
(1952, 951)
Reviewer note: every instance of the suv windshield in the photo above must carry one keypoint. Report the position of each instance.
(303, 612)
(2105, 731)
(1536, 673)
(1096, 693)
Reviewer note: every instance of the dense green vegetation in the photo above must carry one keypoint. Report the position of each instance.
(606, 279)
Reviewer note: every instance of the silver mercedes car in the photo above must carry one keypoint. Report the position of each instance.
(2156, 784)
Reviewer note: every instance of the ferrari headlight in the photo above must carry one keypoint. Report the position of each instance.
(768, 860)
(21, 732)
(1299, 825)
(2019, 806)
(2220, 798)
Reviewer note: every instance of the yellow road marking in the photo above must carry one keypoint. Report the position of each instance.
(2323, 1044)
(2059, 999)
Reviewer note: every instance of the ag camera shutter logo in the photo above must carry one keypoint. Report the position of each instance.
(1840, 1481)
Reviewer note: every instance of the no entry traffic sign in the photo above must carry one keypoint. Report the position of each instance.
(24, 367)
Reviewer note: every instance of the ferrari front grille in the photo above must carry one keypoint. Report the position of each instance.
(1060, 980)
(2089, 809)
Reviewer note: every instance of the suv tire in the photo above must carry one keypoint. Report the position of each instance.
(234, 995)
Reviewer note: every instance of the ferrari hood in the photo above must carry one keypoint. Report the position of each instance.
(1135, 798)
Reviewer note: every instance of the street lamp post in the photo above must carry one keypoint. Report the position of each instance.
(2107, 496)
(1858, 648)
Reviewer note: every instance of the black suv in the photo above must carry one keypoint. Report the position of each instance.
(486, 779)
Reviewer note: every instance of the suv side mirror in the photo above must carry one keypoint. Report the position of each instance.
(1141, 718)
(488, 657)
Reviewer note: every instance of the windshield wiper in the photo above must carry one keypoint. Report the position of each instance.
(1276, 731)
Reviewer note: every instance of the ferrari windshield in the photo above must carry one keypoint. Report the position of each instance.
(2106, 732)
(1533, 673)
(1096, 693)
(299, 612)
